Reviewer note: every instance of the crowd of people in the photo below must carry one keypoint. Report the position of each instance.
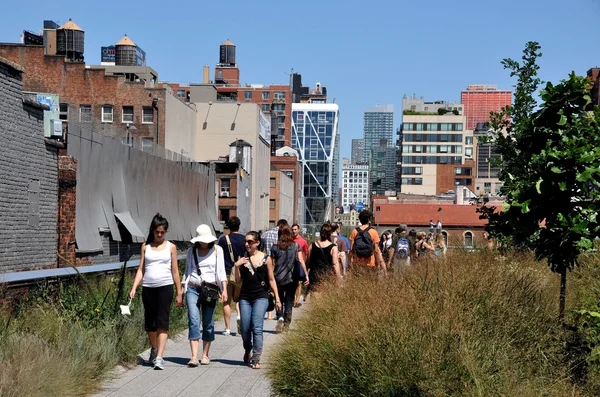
(259, 273)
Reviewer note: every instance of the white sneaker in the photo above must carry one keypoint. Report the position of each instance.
(227, 332)
(279, 326)
(159, 363)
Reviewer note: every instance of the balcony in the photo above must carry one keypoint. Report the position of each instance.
(279, 112)
(278, 100)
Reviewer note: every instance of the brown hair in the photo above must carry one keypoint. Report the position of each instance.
(325, 232)
(285, 237)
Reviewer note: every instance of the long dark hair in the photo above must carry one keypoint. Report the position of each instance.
(285, 237)
(325, 232)
(157, 221)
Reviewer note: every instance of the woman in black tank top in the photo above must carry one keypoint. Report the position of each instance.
(322, 259)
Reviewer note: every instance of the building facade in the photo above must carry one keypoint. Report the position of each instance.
(486, 170)
(286, 160)
(380, 147)
(229, 122)
(355, 184)
(314, 136)
(358, 151)
(281, 197)
(430, 140)
(480, 100)
(414, 104)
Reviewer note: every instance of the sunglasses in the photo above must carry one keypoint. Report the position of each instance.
(250, 242)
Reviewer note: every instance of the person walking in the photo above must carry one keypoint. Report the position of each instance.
(365, 254)
(233, 247)
(256, 276)
(298, 239)
(157, 272)
(341, 246)
(424, 249)
(399, 254)
(323, 259)
(204, 279)
(284, 255)
(270, 237)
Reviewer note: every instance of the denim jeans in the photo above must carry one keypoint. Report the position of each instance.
(208, 317)
(286, 296)
(252, 314)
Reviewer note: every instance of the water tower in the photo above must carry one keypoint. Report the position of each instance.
(69, 41)
(227, 53)
(126, 52)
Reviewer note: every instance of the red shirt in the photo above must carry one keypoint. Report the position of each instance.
(303, 245)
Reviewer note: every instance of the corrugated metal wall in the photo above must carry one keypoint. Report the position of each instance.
(118, 183)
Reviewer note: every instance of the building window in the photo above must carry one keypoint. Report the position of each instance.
(300, 116)
(147, 145)
(247, 95)
(290, 174)
(85, 113)
(64, 111)
(148, 116)
(279, 95)
(266, 107)
(266, 95)
(225, 184)
(273, 182)
(128, 114)
(107, 113)
(272, 203)
(224, 214)
(468, 140)
(468, 240)
(322, 117)
(469, 152)
(180, 93)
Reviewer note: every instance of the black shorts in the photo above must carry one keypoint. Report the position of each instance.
(157, 307)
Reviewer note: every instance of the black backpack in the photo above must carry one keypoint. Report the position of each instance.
(363, 243)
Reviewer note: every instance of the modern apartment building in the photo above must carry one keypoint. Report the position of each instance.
(480, 100)
(355, 183)
(314, 136)
(429, 143)
(379, 145)
(486, 172)
(358, 151)
(414, 104)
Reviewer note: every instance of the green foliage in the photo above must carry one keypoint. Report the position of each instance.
(455, 112)
(68, 335)
(550, 159)
(475, 324)
(409, 112)
(442, 111)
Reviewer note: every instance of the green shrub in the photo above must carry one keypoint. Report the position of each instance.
(67, 336)
(474, 324)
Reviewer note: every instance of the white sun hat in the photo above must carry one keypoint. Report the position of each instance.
(203, 235)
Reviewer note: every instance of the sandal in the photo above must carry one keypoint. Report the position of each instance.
(247, 357)
(193, 362)
(205, 360)
(255, 365)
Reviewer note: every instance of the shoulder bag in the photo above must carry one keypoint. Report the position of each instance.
(271, 298)
(209, 293)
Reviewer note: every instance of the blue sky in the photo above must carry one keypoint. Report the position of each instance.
(365, 53)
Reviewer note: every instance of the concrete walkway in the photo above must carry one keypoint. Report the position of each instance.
(225, 376)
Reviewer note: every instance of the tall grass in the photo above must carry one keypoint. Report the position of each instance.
(473, 325)
(67, 337)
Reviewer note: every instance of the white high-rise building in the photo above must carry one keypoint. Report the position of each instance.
(355, 184)
(314, 136)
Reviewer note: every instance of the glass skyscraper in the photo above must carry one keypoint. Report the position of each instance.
(380, 147)
(315, 137)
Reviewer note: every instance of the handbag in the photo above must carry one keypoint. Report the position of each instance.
(209, 293)
(298, 273)
(271, 297)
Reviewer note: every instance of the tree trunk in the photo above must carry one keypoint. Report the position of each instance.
(563, 295)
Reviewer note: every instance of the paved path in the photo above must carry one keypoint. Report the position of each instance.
(225, 376)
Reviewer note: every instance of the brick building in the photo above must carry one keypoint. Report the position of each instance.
(286, 160)
(593, 74)
(281, 197)
(29, 184)
(479, 100)
(102, 98)
(233, 187)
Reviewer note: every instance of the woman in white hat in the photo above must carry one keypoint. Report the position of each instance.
(203, 281)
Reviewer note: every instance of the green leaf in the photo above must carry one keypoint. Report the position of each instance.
(563, 120)
(538, 186)
(556, 170)
(562, 186)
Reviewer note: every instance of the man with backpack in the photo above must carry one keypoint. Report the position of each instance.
(399, 256)
(364, 242)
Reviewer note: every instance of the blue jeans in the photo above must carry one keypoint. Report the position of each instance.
(208, 317)
(252, 314)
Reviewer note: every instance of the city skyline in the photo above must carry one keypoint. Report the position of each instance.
(179, 54)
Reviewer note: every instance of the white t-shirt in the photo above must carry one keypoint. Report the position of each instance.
(157, 267)
(212, 267)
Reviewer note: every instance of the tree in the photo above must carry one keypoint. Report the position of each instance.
(550, 168)
(442, 111)
(455, 112)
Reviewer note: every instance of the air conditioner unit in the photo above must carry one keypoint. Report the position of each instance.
(224, 194)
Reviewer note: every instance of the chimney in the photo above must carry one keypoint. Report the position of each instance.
(460, 194)
(206, 75)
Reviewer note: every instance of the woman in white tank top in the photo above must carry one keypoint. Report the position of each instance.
(157, 272)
